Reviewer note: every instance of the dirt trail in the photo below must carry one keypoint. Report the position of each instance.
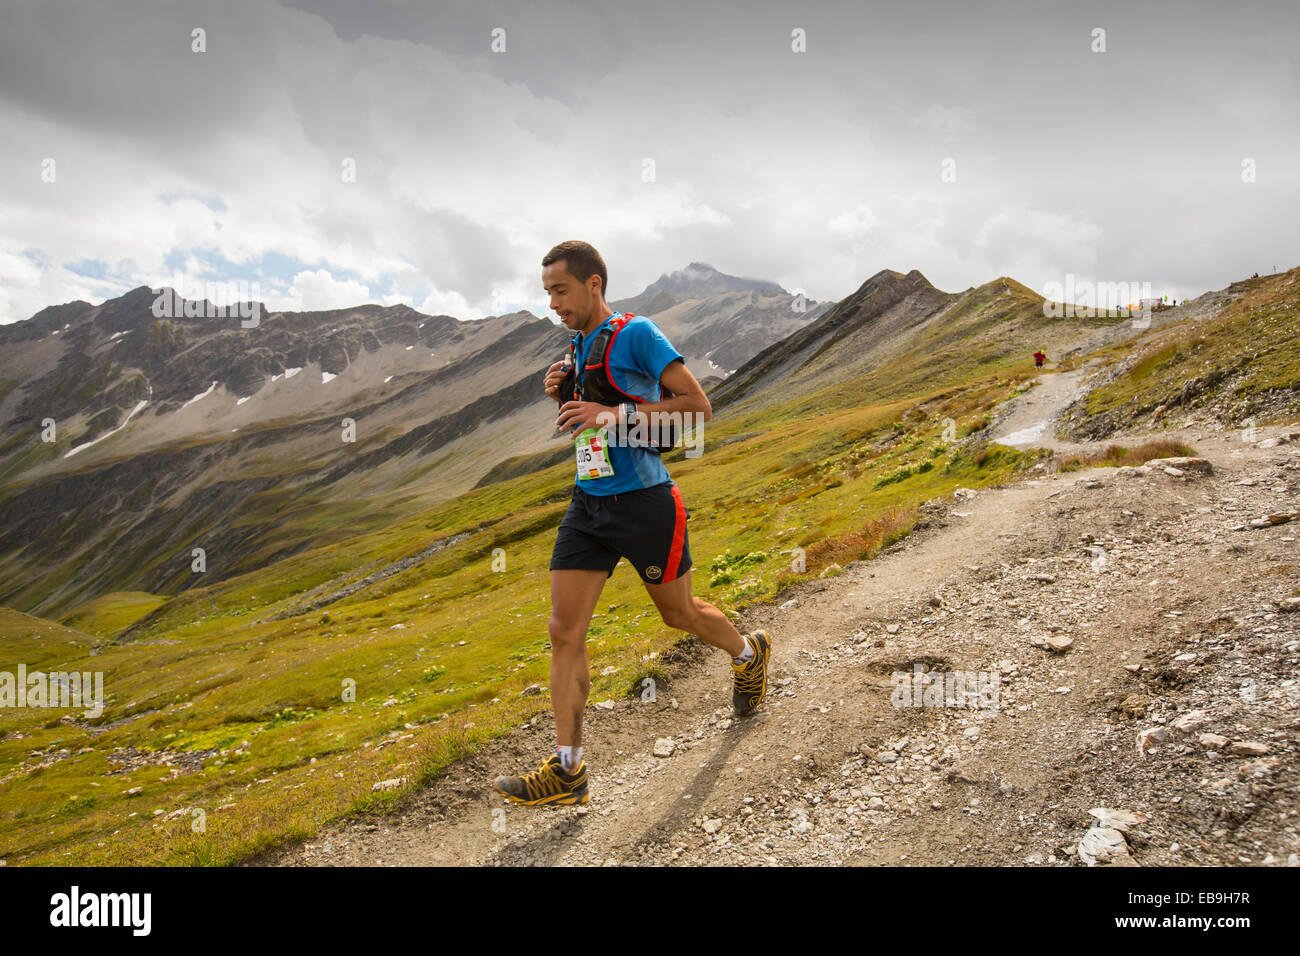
(1028, 422)
(1170, 613)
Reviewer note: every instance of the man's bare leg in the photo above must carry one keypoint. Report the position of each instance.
(573, 600)
(679, 608)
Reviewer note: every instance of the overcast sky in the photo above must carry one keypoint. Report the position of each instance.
(966, 140)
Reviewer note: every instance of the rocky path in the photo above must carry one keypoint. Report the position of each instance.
(1028, 422)
(1139, 648)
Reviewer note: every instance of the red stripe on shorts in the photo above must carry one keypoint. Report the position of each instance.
(679, 536)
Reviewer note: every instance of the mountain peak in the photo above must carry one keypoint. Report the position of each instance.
(887, 278)
(702, 274)
(698, 280)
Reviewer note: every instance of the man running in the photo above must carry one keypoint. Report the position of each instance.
(624, 504)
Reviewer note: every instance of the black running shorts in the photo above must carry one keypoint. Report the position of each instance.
(647, 526)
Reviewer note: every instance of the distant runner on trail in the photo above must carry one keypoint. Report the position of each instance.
(1039, 357)
(624, 504)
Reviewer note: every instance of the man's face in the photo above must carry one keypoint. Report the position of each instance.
(570, 299)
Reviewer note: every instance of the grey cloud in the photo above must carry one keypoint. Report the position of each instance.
(1125, 165)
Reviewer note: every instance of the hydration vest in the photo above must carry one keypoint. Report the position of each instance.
(596, 383)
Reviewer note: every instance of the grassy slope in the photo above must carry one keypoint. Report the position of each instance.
(109, 615)
(1257, 336)
(988, 332)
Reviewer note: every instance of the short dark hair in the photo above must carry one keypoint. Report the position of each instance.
(582, 260)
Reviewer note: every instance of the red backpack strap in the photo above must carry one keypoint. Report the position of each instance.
(617, 325)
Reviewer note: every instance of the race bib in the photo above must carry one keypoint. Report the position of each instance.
(593, 454)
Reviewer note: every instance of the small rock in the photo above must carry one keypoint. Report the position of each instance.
(1104, 845)
(1198, 465)
(1278, 517)
(1059, 644)
(1260, 768)
(1134, 705)
(1248, 748)
(1212, 741)
(1221, 785)
(530, 690)
(1149, 736)
(1190, 721)
(1116, 819)
(664, 747)
(792, 603)
(712, 826)
(392, 784)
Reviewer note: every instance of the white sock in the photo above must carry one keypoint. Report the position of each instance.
(747, 653)
(570, 757)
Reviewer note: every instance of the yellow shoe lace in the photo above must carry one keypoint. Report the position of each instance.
(750, 683)
(750, 680)
(543, 782)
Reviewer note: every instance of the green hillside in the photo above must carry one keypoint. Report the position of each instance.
(111, 614)
(1242, 361)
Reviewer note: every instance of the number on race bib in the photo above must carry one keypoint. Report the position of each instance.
(592, 452)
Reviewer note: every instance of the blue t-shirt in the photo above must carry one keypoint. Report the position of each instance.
(638, 356)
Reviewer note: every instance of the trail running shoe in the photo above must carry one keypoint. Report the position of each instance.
(548, 784)
(751, 677)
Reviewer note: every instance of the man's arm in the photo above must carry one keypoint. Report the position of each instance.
(688, 399)
(688, 395)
